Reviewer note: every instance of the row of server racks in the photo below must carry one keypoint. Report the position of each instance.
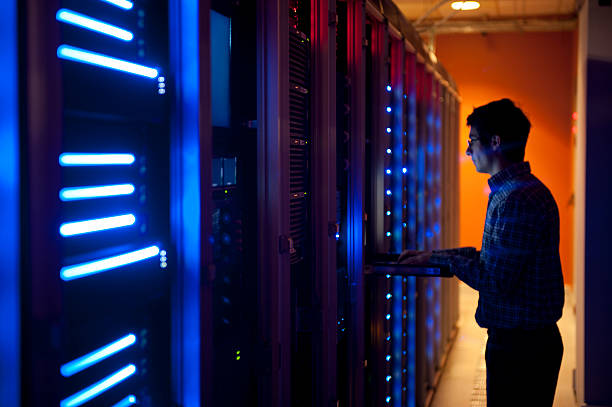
(205, 200)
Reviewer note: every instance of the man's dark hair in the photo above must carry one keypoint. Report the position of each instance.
(504, 119)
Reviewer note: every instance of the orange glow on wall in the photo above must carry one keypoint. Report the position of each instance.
(536, 71)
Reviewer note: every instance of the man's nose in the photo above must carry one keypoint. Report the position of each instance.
(468, 152)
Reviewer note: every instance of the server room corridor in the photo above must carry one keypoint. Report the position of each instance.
(463, 381)
(214, 203)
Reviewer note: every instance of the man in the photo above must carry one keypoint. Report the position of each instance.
(518, 270)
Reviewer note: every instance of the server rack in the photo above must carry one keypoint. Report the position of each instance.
(407, 337)
(97, 251)
(233, 206)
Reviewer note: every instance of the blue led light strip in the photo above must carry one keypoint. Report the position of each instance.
(80, 159)
(98, 388)
(83, 21)
(97, 266)
(71, 53)
(124, 4)
(101, 191)
(82, 363)
(126, 402)
(96, 225)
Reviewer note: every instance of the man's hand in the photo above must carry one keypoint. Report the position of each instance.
(415, 257)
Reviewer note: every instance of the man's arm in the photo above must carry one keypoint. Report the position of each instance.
(468, 252)
(512, 243)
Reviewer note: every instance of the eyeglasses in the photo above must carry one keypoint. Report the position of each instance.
(471, 140)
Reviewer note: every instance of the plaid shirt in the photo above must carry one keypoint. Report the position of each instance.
(518, 271)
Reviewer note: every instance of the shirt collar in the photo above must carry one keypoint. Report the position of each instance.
(507, 174)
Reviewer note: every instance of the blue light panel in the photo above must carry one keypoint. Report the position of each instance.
(101, 191)
(96, 225)
(80, 159)
(185, 197)
(124, 4)
(97, 266)
(83, 21)
(71, 53)
(97, 355)
(98, 388)
(126, 402)
(10, 182)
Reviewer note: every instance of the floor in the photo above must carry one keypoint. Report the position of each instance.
(463, 380)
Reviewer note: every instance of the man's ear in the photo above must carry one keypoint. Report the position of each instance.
(495, 142)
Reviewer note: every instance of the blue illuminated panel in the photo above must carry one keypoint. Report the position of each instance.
(83, 21)
(101, 191)
(96, 225)
(97, 266)
(10, 184)
(84, 56)
(98, 388)
(82, 159)
(114, 203)
(124, 4)
(97, 355)
(126, 402)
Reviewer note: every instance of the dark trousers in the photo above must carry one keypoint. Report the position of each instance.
(523, 366)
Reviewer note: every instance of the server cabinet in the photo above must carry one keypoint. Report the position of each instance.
(296, 203)
(97, 253)
(233, 70)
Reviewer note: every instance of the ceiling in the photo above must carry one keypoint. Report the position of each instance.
(493, 15)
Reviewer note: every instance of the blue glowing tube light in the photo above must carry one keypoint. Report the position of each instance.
(97, 355)
(80, 159)
(71, 53)
(102, 191)
(83, 21)
(97, 266)
(98, 388)
(124, 4)
(96, 225)
(126, 402)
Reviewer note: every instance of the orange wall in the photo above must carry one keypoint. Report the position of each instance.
(536, 70)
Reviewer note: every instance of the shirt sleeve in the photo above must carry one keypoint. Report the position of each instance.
(512, 245)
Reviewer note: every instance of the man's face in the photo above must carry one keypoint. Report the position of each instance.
(480, 154)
